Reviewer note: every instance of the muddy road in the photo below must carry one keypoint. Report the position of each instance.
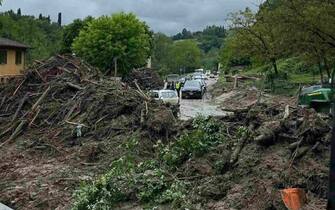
(190, 108)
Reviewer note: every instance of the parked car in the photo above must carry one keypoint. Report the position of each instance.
(199, 76)
(182, 80)
(172, 78)
(199, 71)
(192, 89)
(167, 96)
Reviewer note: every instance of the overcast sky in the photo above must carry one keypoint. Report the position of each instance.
(168, 16)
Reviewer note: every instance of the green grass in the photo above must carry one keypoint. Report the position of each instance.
(304, 78)
(293, 72)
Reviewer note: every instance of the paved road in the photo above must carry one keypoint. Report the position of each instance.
(190, 108)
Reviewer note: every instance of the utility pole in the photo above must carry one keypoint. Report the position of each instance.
(115, 66)
(331, 190)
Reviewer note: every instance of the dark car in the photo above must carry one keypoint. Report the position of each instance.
(192, 89)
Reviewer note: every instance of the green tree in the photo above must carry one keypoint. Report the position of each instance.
(210, 59)
(307, 28)
(120, 36)
(44, 37)
(161, 58)
(257, 37)
(230, 55)
(185, 55)
(71, 31)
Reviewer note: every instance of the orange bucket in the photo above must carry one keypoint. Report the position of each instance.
(294, 198)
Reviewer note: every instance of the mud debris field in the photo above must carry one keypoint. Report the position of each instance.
(245, 158)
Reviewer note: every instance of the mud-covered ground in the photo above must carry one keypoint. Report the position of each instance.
(41, 169)
(190, 108)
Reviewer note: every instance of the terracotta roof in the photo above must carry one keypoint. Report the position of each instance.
(10, 43)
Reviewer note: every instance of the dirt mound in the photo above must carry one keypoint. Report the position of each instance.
(61, 117)
(279, 152)
(240, 161)
(147, 79)
(246, 98)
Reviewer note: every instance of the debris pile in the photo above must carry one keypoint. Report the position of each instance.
(148, 79)
(63, 123)
(285, 148)
(241, 161)
(65, 91)
(63, 103)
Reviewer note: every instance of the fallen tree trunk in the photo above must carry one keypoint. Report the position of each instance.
(17, 131)
(39, 101)
(22, 102)
(268, 133)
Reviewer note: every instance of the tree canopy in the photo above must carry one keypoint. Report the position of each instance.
(185, 55)
(121, 36)
(282, 29)
(41, 34)
(71, 31)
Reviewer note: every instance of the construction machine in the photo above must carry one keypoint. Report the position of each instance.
(319, 97)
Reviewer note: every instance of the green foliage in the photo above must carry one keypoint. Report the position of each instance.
(71, 32)
(282, 29)
(43, 36)
(112, 187)
(161, 54)
(185, 34)
(150, 181)
(230, 55)
(184, 55)
(120, 36)
(210, 60)
(206, 135)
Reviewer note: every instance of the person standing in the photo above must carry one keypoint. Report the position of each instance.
(178, 87)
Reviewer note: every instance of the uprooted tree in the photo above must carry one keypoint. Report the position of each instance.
(121, 39)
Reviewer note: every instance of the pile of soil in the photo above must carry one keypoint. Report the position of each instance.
(261, 151)
(62, 123)
(147, 79)
(281, 151)
(244, 99)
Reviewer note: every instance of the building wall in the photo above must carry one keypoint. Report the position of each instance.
(11, 69)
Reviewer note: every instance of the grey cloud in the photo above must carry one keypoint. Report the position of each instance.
(168, 16)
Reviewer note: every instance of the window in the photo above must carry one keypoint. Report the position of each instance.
(3, 57)
(18, 59)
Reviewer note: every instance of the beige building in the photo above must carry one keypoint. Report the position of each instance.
(12, 58)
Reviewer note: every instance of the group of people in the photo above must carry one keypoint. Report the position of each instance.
(174, 86)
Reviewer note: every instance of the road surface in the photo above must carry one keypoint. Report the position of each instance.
(190, 108)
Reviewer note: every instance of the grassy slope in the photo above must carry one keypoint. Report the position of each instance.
(298, 74)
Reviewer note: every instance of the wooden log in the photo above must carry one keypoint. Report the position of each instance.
(235, 82)
(34, 118)
(141, 92)
(238, 149)
(39, 101)
(77, 87)
(294, 145)
(268, 133)
(3, 100)
(22, 102)
(17, 131)
(17, 89)
(14, 125)
(68, 115)
(302, 151)
(40, 76)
